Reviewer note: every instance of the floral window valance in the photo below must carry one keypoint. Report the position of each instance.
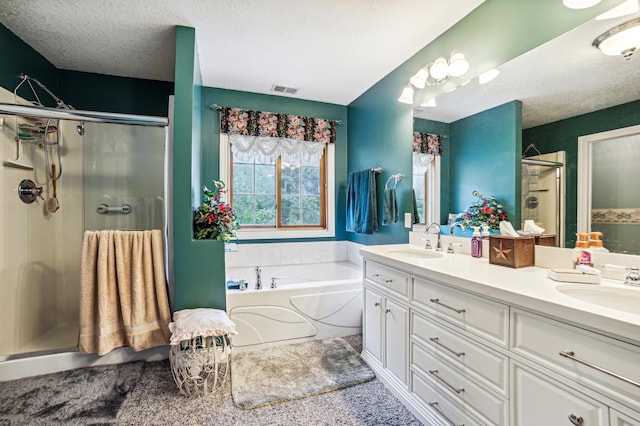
(427, 143)
(236, 121)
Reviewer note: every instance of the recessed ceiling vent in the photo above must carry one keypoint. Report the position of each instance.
(284, 89)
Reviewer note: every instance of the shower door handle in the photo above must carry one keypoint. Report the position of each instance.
(104, 209)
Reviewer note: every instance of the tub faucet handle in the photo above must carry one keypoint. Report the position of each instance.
(274, 284)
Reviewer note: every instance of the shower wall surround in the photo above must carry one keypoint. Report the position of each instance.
(39, 251)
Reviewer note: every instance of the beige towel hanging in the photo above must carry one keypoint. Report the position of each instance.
(123, 291)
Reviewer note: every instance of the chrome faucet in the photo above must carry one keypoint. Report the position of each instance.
(450, 246)
(633, 277)
(428, 243)
(258, 278)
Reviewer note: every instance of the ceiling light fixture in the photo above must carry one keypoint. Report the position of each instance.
(407, 95)
(430, 103)
(623, 39)
(580, 4)
(627, 8)
(486, 77)
(440, 71)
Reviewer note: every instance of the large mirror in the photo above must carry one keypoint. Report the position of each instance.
(568, 89)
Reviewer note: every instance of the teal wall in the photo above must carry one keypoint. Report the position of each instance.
(199, 277)
(255, 101)
(487, 149)
(380, 127)
(99, 92)
(17, 57)
(563, 136)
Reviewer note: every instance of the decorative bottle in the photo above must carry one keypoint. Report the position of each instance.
(582, 254)
(476, 242)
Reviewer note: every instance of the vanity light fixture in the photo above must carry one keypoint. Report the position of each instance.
(440, 71)
(580, 4)
(623, 39)
(407, 95)
(486, 77)
(629, 7)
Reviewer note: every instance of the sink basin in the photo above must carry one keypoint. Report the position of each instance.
(411, 253)
(622, 299)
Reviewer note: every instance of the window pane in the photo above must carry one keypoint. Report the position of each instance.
(244, 208)
(311, 181)
(290, 179)
(243, 178)
(310, 210)
(290, 210)
(265, 210)
(265, 179)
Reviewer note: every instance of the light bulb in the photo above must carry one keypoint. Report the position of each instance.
(407, 95)
(580, 4)
(439, 69)
(419, 79)
(458, 65)
(488, 76)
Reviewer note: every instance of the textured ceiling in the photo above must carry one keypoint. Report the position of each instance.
(332, 50)
(562, 78)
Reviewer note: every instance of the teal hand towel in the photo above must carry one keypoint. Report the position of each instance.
(390, 207)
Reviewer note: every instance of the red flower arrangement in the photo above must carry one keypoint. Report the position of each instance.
(214, 219)
(487, 210)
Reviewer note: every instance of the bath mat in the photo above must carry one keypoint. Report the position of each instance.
(287, 372)
(77, 397)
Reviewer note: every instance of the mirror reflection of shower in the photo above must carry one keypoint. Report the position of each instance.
(542, 194)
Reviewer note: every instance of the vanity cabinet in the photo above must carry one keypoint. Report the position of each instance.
(386, 316)
(455, 357)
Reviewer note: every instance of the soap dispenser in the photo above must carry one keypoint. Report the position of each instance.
(485, 231)
(476, 242)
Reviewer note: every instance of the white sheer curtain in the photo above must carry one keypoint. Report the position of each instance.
(262, 149)
(422, 163)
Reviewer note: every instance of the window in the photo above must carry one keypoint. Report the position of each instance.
(279, 171)
(276, 193)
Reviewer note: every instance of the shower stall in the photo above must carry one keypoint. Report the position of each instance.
(65, 172)
(543, 192)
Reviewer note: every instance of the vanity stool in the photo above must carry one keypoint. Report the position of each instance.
(200, 350)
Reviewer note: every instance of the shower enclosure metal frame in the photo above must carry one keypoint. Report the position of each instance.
(559, 191)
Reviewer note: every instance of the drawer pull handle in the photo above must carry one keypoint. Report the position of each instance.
(576, 420)
(438, 302)
(434, 405)
(571, 355)
(434, 373)
(376, 304)
(437, 342)
(386, 311)
(386, 280)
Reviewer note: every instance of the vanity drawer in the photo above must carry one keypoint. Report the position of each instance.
(390, 278)
(543, 340)
(453, 382)
(443, 409)
(480, 316)
(488, 366)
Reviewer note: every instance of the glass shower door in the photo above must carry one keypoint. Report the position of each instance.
(123, 176)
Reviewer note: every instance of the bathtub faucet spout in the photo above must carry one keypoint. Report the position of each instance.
(258, 278)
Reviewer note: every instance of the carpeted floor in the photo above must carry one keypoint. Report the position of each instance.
(155, 400)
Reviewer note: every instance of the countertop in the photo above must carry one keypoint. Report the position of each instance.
(528, 288)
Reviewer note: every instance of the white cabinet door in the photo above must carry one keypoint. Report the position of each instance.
(539, 400)
(373, 323)
(396, 318)
(619, 419)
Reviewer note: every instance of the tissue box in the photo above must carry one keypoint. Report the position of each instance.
(514, 252)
